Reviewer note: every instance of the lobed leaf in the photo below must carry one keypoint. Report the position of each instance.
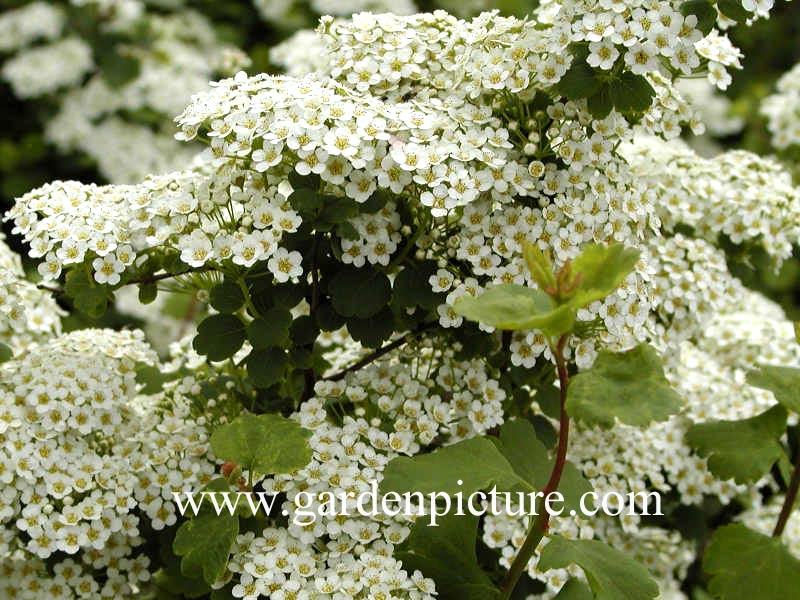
(612, 575)
(510, 306)
(744, 565)
(743, 450)
(266, 443)
(629, 387)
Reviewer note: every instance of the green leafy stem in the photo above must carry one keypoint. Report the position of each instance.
(541, 523)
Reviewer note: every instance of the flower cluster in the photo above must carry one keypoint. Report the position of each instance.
(468, 135)
(747, 198)
(97, 115)
(782, 110)
(27, 314)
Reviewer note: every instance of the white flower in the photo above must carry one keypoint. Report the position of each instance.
(642, 58)
(602, 55)
(107, 269)
(285, 265)
(197, 250)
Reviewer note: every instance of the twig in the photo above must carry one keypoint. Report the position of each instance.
(379, 352)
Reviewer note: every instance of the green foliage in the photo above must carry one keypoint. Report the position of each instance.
(530, 460)
(266, 443)
(744, 564)
(359, 293)
(783, 382)
(205, 543)
(219, 336)
(629, 387)
(631, 93)
(595, 273)
(6, 353)
(733, 9)
(272, 329)
(266, 367)
(226, 297)
(743, 450)
(372, 331)
(575, 589)
(704, 11)
(477, 462)
(510, 306)
(446, 553)
(627, 92)
(612, 575)
(148, 292)
(411, 287)
(87, 296)
(602, 269)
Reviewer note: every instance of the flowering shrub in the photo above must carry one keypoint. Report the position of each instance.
(443, 255)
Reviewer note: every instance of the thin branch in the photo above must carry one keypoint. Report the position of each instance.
(379, 352)
(788, 501)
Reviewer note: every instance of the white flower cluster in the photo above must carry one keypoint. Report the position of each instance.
(287, 12)
(782, 110)
(70, 223)
(712, 108)
(27, 314)
(690, 283)
(32, 22)
(739, 194)
(46, 69)
(353, 555)
(83, 456)
(460, 123)
(182, 54)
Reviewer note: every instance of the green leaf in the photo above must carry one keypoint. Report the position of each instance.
(575, 589)
(531, 460)
(6, 353)
(372, 331)
(446, 553)
(272, 329)
(266, 443)
(629, 386)
(226, 297)
(603, 269)
(359, 292)
(631, 93)
(510, 306)
(743, 450)
(335, 211)
(303, 331)
(704, 11)
(580, 81)
(310, 181)
(205, 543)
(411, 287)
(539, 265)
(375, 202)
(219, 337)
(733, 9)
(307, 202)
(744, 565)
(266, 367)
(611, 574)
(476, 462)
(600, 103)
(172, 580)
(118, 69)
(783, 382)
(88, 296)
(148, 292)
